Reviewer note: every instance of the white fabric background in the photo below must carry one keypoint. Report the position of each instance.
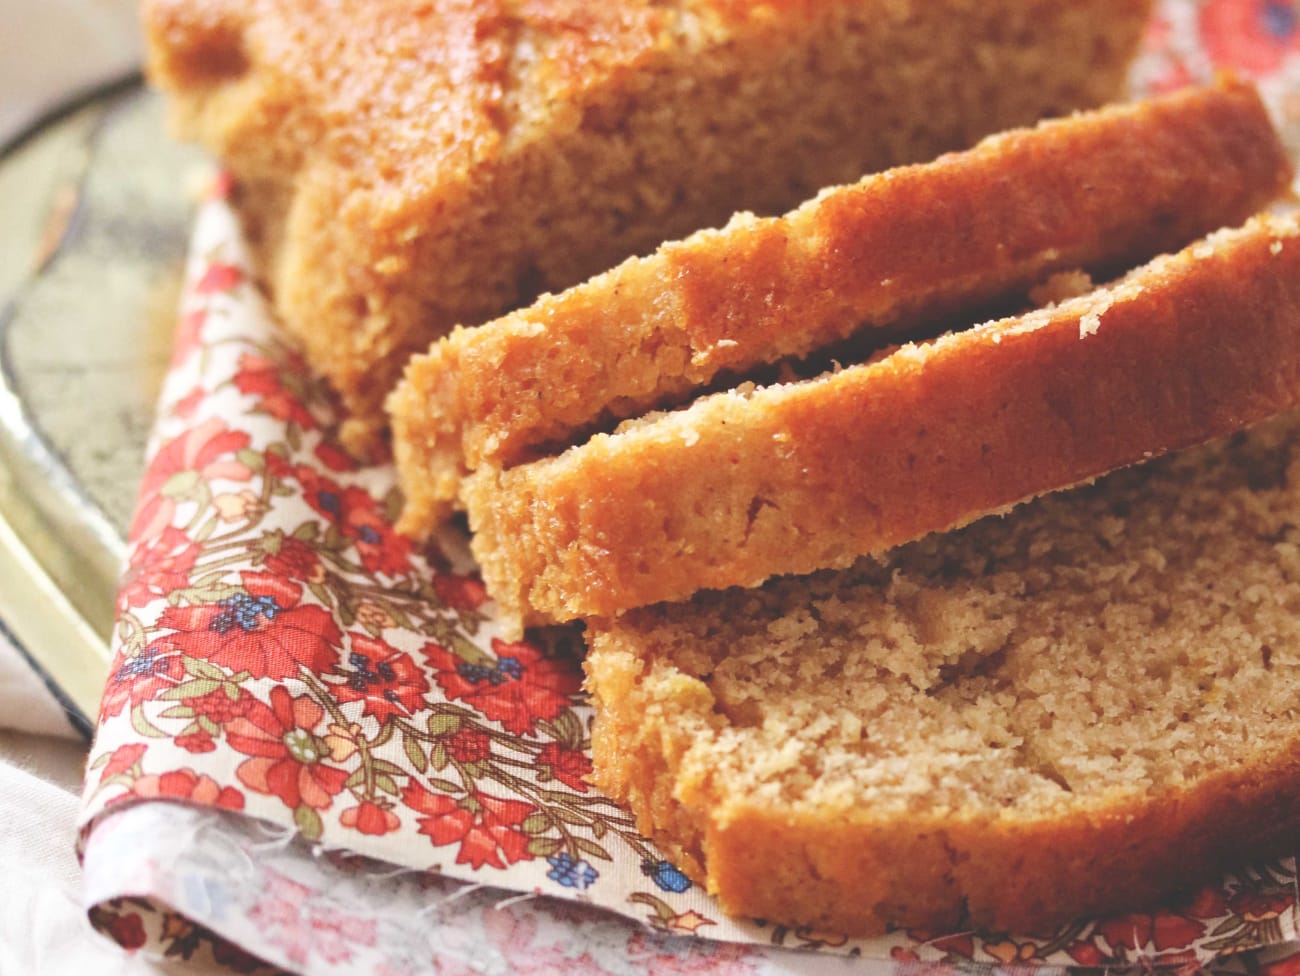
(25, 704)
(50, 50)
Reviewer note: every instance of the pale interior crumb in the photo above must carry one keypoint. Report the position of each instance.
(1113, 640)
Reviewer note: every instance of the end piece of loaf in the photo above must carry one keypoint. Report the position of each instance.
(1075, 709)
(893, 253)
(406, 165)
(802, 476)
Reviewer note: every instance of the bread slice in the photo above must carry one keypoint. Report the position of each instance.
(884, 256)
(809, 475)
(411, 164)
(1075, 709)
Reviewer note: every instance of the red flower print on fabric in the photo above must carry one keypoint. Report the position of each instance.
(569, 766)
(122, 759)
(186, 784)
(1260, 906)
(387, 680)
(203, 453)
(127, 931)
(1250, 35)
(323, 494)
(356, 514)
(189, 328)
(958, 944)
(1086, 954)
(158, 566)
(1163, 930)
(334, 457)
(218, 707)
(469, 746)
(486, 827)
(380, 548)
(1206, 902)
(261, 377)
(218, 277)
(370, 818)
(295, 559)
(197, 742)
(286, 752)
(262, 630)
(460, 592)
(141, 677)
(521, 687)
(186, 405)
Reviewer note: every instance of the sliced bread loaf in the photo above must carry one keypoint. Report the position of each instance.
(1075, 709)
(887, 255)
(410, 164)
(802, 476)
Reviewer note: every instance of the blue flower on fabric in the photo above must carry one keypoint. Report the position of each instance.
(243, 610)
(570, 873)
(1279, 19)
(666, 876)
(367, 674)
(147, 663)
(331, 503)
(506, 669)
(1255, 36)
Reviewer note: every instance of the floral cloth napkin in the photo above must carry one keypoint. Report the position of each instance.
(334, 713)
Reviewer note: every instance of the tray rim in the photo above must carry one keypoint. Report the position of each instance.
(63, 639)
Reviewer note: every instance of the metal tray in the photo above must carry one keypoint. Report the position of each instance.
(95, 212)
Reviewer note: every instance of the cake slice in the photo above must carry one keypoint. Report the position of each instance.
(885, 256)
(406, 165)
(1076, 709)
(795, 477)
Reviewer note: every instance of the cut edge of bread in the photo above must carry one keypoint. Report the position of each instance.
(1076, 709)
(889, 256)
(792, 478)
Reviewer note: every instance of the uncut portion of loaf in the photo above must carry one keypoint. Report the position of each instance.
(884, 256)
(1075, 709)
(802, 476)
(412, 164)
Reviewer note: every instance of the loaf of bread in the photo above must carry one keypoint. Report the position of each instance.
(1075, 709)
(809, 475)
(406, 165)
(885, 256)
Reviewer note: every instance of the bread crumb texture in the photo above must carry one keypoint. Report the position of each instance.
(1075, 708)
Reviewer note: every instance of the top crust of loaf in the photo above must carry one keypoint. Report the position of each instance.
(887, 255)
(410, 93)
(406, 165)
(796, 477)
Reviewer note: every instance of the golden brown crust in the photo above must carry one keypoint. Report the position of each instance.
(888, 254)
(798, 477)
(437, 162)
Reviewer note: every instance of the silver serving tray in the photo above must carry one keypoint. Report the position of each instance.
(94, 211)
